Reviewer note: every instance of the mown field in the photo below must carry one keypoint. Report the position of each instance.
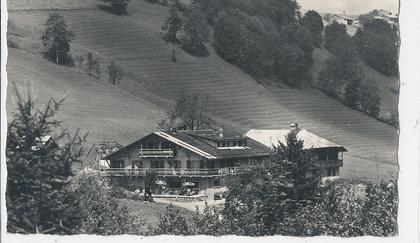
(132, 109)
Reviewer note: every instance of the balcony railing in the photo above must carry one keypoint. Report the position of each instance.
(156, 153)
(172, 172)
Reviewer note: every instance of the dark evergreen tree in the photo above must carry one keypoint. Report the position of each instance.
(302, 161)
(38, 198)
(56, 39)
(172, 25)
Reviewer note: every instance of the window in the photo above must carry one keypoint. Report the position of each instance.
(234, 143)
(150, 145)
(158, 164)
(244, 142)
(165, 145)
(137, 164)
(218, 144)
(117, 164)
(240, 143)
(223, 144)
(227, 144)
(189, 164)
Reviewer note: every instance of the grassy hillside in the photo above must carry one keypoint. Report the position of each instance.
(132, 109)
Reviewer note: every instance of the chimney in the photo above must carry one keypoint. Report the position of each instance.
(221, 132)
(294, 127)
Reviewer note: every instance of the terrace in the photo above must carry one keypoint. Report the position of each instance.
(172, 171)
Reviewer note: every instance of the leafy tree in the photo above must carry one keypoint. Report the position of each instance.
(37, 195)
(93, 67)
(115, 72)
(378, 44)
(313, 22)
(364, 18)
(100, 213)
(149, 183)
(209, 8)
(332, 32)
(370, 100)
(336, 74)
(339, 43)
(342, 210)
(190, 112)
(80, 60)
(207, 222)
(245, 41)
(118, 6)
(195, 32)
(352, 93)
(380, 210)
(56, 39)
(290, 64)
(172, 25)
(173, 223)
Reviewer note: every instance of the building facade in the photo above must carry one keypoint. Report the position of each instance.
(330, 154)
(202, 157)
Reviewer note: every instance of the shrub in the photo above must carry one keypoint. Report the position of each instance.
(173, 223)
(101, 213)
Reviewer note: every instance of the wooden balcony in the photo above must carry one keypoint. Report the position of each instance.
(172, 172)
(156, 153)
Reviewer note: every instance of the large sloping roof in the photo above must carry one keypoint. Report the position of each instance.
(199, 146)
(310, 140)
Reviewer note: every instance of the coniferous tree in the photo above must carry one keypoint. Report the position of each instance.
(56, 39)
(302, 161)
(37, 196)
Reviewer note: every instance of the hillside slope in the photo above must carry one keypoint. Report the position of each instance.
(135, 42)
